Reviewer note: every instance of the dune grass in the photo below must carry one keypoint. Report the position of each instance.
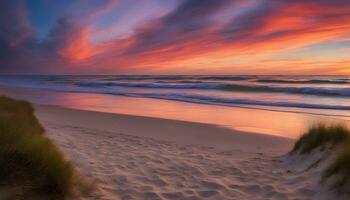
(341, 169)
(29, 161)
(320, 135)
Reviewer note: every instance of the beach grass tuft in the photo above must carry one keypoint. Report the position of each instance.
(29, 161)
(321, 134)
(340, 169)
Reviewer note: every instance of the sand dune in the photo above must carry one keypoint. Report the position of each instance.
(147, 158)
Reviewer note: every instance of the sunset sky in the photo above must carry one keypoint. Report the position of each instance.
(175, 36)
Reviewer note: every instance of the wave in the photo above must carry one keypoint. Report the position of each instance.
(142, 78)
(103, 88)
(226, 87)
(226, 78)
(178, 77)
(312, 81)
(293, 90)
(237, 101)
(150, 85)
(180, 81)
(203, 99)
(183, 85)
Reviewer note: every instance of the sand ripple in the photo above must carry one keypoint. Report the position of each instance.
(133, 167)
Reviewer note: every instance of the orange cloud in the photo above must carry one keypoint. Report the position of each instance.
(194, 37)
(283, 27)
(79, 47)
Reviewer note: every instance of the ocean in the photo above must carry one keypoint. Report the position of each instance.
(279, 92)
(278, 105)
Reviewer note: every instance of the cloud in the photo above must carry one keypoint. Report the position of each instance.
(195, 33)
(185, 30)
(271, 26)
(186, 22)
(67, 42)
(15, 32)
(286, 19)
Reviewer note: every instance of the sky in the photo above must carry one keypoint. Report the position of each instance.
(175, 37)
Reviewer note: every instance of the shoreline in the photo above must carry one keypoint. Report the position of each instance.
(268, 122)
(138, 157)
(177, 131)
(252, 107)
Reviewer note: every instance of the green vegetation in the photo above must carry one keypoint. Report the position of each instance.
(340, 167)
(321, 135)
(30, 164)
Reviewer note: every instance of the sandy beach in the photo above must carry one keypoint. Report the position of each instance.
(175, 100)
(157, 156)
(131, 157)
